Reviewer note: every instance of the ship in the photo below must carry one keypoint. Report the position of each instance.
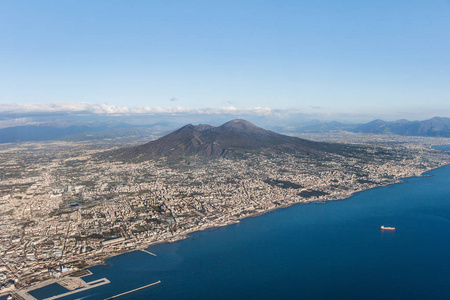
(387, 228)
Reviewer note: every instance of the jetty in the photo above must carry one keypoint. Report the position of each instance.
(148, 252)
(132, 291)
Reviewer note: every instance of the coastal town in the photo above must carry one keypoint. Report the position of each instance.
(62, 208)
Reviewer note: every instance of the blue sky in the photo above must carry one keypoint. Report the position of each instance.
(388, 59)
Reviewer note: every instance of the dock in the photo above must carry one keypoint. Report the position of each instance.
(132, 291)
(74, 284)
(89, 285)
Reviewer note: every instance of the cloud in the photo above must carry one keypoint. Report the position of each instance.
(108, 109)
(23, 110)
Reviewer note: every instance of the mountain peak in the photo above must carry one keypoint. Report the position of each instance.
(239, 125)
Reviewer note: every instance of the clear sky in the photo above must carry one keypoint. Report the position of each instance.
(358, 57)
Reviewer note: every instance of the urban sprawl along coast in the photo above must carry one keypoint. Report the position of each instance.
(63, 209)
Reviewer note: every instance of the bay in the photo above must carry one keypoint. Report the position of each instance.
(328, 251)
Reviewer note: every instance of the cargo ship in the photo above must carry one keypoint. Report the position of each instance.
(387, 228)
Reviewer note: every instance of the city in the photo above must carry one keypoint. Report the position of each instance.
(63, 208)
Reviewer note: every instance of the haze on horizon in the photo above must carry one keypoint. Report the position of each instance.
(334, 59)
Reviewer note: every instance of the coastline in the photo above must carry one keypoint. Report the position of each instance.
(185, 235)
(211, 226)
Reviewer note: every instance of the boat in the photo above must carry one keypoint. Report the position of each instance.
(387, 228)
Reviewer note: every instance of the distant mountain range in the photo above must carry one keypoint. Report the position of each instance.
(231, 139)
(435, 127)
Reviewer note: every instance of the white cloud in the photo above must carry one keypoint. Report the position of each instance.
(74, 107)
(21, 110)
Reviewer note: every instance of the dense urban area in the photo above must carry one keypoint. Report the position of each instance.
(62, 208)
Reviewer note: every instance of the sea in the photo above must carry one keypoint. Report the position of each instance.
(334, 250)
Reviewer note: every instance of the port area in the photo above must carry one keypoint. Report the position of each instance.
(73, 284)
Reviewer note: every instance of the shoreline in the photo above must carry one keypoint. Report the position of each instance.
(185, 235)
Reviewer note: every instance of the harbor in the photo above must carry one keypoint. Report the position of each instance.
(73, 284)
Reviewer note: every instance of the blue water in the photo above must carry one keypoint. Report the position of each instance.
(329, 251)
(442, 147)
(49, 290)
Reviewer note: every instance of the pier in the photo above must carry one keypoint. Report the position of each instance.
(74, 284)
(89, 285)
(132, 291)
(148, 252)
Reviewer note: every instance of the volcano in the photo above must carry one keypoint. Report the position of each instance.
(233, 138)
